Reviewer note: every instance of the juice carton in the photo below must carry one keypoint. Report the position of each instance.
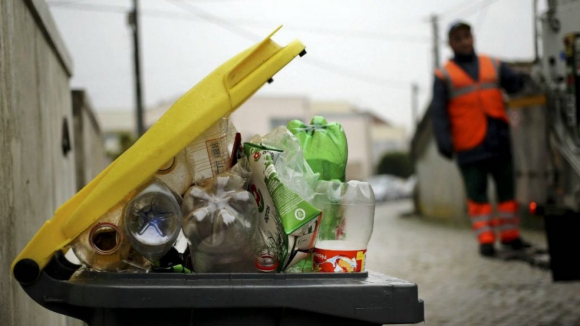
(288, 223)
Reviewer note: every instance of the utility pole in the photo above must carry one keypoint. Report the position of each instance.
(535, 22)
(415, 103)
(435, 27)
(134, 23)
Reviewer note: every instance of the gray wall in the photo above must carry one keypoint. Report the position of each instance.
(35, 175)
(89, 146)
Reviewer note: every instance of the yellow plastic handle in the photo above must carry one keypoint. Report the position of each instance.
(217, 95)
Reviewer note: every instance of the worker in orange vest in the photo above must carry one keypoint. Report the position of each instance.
(471, 125)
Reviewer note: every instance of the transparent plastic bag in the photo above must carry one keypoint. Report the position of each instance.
(292, 168)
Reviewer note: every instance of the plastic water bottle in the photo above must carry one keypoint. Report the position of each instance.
(220, 223)
(325, 146)
(152, 220)
(349, 210)
(104, 246)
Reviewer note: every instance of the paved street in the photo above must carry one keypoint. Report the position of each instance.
(458, 286)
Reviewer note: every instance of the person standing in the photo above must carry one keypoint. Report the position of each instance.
(471, 125)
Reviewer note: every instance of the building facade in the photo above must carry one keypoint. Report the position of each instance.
(368, 136)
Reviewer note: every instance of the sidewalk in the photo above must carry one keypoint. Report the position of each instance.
(458, 286)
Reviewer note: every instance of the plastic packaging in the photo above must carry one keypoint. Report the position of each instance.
(152, 220)
(104, 247)
(324, 145)
(346, 227)
(291, 166)
(287, 223)
(210, 154)
(219, 94)
(176, 174)
(220, 223)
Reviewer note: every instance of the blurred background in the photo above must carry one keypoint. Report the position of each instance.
(83, 79)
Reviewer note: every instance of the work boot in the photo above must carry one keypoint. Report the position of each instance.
(516, 244)
(487, 250)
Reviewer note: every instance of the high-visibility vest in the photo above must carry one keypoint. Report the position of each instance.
(471, 101)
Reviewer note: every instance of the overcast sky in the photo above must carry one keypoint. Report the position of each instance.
(367, 52)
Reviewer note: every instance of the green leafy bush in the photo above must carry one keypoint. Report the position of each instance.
(398, 164)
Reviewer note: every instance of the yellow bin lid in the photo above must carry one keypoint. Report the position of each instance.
(217, 95)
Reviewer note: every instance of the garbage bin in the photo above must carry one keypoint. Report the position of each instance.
(115, 299)
(561, 226)
(104, 298)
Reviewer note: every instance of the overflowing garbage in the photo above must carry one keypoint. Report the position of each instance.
(273, 203)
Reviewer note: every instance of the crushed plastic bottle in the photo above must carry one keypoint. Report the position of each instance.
(325, 146)
(346, 226)
(220, 223)
(152, 220)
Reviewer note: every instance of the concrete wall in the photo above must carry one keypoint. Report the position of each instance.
(89, 143)
(36, 175)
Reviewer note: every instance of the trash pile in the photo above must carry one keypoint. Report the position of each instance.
(273, 203)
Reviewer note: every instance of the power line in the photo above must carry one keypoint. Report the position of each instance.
(471, 9)
(211, 1)
(90, 7)
(69, 2)
(225, 24)
(482, 14)
(474, 9)
(308, 60)
(232, 28)
(361, 34)
(338, 70)
(460, 7)
(407, 38)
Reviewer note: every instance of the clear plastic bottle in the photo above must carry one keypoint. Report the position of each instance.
(349, 210)
(152, 220)
(103, 246)
(220, 223)
(324, 145)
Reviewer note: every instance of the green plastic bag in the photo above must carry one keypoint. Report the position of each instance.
(324, 146)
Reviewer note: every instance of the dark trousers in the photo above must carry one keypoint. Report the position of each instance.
(475, 177)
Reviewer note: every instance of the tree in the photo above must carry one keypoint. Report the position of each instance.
(398, 164)
(125, 140)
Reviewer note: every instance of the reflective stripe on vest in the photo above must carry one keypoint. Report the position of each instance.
(470, 102)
